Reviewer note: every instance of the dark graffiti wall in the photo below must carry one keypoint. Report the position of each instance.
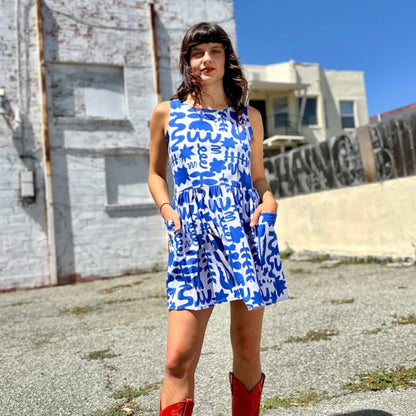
(394, 147)
(383, 151)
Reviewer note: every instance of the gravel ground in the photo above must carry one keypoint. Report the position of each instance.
(50, 339)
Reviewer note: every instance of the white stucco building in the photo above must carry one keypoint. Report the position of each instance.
(304, 103)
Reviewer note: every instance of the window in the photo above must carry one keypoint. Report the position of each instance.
(346, 109)
(281, 112)
(309, 115)
(88, 91)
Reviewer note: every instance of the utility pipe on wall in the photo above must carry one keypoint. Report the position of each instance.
(155, 51)
(50, 217)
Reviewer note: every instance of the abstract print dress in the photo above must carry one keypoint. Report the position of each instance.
(216, 256)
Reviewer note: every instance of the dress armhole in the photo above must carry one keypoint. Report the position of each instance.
(167, 136)
(247, 120)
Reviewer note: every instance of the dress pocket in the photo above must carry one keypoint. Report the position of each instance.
(177, 241)
(266, 237)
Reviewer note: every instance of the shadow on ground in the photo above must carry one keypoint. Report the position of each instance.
(368, 412)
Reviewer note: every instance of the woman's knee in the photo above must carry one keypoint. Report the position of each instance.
(180, 364)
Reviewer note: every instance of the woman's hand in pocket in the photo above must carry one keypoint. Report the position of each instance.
(268, 206)
(169, 214)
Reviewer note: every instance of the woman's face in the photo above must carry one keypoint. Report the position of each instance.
(208, 61)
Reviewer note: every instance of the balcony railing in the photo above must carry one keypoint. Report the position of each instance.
(285, 126)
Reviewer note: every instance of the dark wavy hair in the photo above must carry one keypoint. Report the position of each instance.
(235, 85)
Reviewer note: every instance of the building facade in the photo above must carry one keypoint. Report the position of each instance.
(305, 104)
(78, 82)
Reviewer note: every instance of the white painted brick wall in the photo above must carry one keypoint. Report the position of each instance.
(92, 241)
(23, 248)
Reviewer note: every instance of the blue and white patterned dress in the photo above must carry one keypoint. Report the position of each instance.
(217, 257)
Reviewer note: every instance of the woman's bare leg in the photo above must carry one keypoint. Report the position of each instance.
(186, 331)
(245, 332)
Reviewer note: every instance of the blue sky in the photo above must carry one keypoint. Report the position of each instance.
(377, 37)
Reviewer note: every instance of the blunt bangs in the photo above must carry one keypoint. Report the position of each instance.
(204, 33)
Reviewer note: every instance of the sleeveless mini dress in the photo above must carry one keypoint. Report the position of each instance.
(217, 257)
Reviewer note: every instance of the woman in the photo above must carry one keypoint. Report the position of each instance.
(222, 244)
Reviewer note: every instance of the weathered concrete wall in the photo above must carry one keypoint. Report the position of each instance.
(101, 89)
(370, 220)
(384, 151)
(111, 46)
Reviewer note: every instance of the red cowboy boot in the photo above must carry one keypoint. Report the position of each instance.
(244, 402)
(183, 408)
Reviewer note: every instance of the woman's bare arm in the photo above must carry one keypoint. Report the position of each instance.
(268, 201)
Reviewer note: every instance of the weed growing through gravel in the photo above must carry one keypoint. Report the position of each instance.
(121, 410)
(100, 355)
(300, 399)
(404, 320)
(129, 394)
(373, 331)
(285, 254)
(117, 287)
(273, 348)
(21, 303)
(320, 258)
(366, 260)
(124, 300)
(348, 261)
(399, 377)
(80, 310)
(314, 335)
(299, 270)
(341, 301)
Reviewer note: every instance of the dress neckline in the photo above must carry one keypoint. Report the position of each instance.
(204, 109)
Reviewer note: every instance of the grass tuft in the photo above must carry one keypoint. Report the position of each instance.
(100, 355)
(404, 320)
(156, 268)
(285, 254)
(117, 287)
(80, 310)
(273, 348)
(301, 399)
(399, 377)
(21, 303)
(314, 335)
(130, 393)
(373, 331)
(320, 258)
(299, 270)
(341, 301)
(124, 300)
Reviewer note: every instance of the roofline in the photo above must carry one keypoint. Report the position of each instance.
(390, 113)
(285, 86)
